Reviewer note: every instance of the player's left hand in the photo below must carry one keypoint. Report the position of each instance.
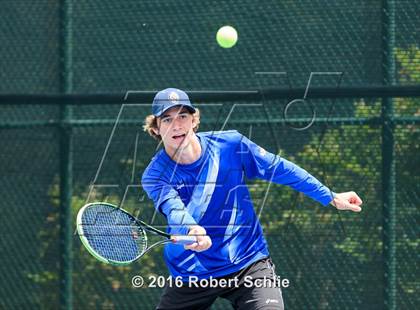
(347, 201)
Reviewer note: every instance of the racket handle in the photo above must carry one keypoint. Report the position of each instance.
(184, 239)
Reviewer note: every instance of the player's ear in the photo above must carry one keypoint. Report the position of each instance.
(155, 131)
(156, 126)
(194, 121)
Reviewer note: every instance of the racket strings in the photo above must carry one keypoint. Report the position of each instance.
(113, 233)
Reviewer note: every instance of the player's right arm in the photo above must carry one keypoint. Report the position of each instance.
(167, 201)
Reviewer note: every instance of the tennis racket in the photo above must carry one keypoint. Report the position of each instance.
(114, 236)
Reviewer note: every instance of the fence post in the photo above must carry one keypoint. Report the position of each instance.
(66, 158)
(66, 231)
(388, 157)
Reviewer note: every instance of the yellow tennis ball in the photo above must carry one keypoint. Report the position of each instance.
(227, 36)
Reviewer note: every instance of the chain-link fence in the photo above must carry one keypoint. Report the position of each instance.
(53, 153)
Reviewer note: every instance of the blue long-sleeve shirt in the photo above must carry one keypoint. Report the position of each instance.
(211, 192)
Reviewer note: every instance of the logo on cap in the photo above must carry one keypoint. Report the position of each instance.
(173, 97)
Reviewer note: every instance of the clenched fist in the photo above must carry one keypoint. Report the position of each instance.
(347, 201)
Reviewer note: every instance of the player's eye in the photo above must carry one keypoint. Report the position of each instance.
(166, 120)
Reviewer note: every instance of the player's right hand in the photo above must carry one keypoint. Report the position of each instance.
(203, 241)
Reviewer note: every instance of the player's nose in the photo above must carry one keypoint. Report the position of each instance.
(176, 126)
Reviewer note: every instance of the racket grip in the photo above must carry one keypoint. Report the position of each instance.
(184, 239)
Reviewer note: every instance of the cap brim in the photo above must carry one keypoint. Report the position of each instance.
(190, 108)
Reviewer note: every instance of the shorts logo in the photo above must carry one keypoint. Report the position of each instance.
(262, 151)
(173, 97)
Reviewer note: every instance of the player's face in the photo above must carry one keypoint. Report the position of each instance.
(175, 127)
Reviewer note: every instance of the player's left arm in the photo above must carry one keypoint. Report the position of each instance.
(261, 164)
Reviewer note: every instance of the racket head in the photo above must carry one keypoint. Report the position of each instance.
(110, 234)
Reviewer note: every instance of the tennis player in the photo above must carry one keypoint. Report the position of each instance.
(197, 181)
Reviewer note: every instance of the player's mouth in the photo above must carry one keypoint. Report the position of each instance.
(178, 137)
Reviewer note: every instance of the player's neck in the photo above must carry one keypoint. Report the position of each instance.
(188, 154)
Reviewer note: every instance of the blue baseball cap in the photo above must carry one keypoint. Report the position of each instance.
(169, 98)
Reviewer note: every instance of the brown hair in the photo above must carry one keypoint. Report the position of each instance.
(150, 123)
